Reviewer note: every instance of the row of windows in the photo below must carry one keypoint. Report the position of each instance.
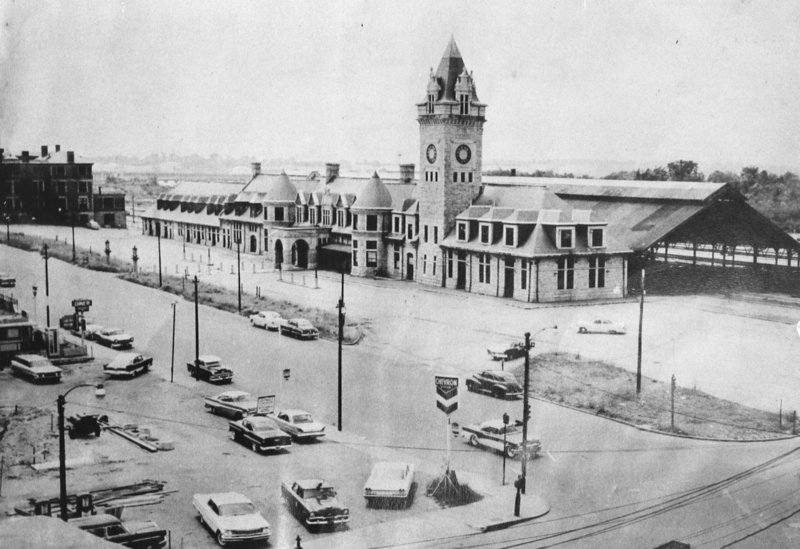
(565, 237)
(435, 234)
(459, 176)
(431, 175)
(565, 273)
(425, 264)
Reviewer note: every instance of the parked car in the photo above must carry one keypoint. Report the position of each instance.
(498, 383)
(390, 483)
(90, 331)
(143, 534)
(85, 425)
(490, 434)
(210, 368)
(299, 328)
(35, 368)
(231, 517)
(260, 433)
(92, 224)
(114, 338)
(299, 424)
(128, 365)
(502, 351)
(7, 281)
(314, 503)
(601, 327)
(233, 404)
(269, 320)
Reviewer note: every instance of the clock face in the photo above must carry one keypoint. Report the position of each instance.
(463, 154)
(430, 152)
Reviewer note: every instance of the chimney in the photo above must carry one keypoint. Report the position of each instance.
(26, 157)
(44, 151)
(331, 171)
(58, 148)
(406, 173)
(256, 167)
(70, 157)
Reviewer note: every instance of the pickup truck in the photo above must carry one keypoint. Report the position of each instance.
(314, 503)
(36, 368)
(139, 535)
(210, 368)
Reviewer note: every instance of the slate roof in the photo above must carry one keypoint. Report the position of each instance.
(373, 195)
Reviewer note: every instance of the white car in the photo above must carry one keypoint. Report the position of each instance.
(601, 327)
(299, 424)
(269, 320)
(390, 482)
(231, 517)
(92, 224)
(233, 404)
(502, 438)
(35, 368)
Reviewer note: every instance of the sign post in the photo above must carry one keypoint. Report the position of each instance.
(447, 402)
(265, 405)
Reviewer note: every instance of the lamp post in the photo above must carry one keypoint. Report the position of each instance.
(100, 392)
(342, 312)
(108, 252)
(172, 366)
(196, 329)
(239, 272)
(526, 408)
(46, 283)
(35, 309)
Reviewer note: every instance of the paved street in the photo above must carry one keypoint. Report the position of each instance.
(589, 464)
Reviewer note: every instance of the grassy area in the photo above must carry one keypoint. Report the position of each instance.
(607, 390)
(208, 294)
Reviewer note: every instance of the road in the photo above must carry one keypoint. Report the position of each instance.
(590, 464)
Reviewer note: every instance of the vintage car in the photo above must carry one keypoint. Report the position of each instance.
(260, 433)
(498, 383)
(210, 368)
(503, 351)
(35, 368)
(7, 281)
(314, 503)
(269, 320)
(128, 365)
(299, 424)
(299, 328)
(390, 482)
(114, 338)
(233, 404)
(601, 327)
(231, 517)
(495, 435)
(85, 425)
(92, 224)
(143, 534)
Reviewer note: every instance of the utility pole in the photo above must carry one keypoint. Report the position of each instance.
(46, 284)
(172, 367)
(158, 232)
(239, 272)
(196, 330)
(639, 359)
(672, 407)
(341, 336)
(72, 218)
(526, 411)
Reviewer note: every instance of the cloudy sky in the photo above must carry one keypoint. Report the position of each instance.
(614, 80)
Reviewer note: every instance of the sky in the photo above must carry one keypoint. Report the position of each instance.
(642, 81)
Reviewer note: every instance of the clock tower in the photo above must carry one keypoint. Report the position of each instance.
(451, 146)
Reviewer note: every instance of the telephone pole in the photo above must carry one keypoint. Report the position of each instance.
(526, 411)
(196, 330)
(639, 359)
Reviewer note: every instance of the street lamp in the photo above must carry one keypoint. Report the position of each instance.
(526, 409)
(46, 283)
(35, 309)
(342, 313)
(99, 392)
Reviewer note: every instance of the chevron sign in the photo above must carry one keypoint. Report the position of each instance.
(447, 394)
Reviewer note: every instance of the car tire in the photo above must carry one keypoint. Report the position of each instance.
(473, 439)
(582, 330)
(511, 452)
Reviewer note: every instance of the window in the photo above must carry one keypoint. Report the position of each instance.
(355, 222)
(372, 222)
(424, 263)
(278, 214)
(62, 187)
(510, 236)
(81, 186)
(312, 216)
(341, 217)
(355, 253)
(484, 269)
(449, 263)
(436, 235)
(410, 229)
(566, 237)
(424, 233)
(462, 231)
(396, 258)
(523, 275)
(396, 224)
(372, 253)
(596, 237)
(486, 233)
(463, 101)
(566, 273)
(431, 175)
(434, 265)
(326, 216)
(597, 272)
(431, 99)
(83, 203)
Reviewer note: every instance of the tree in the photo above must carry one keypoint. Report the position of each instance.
(656, 174)
(684, 170)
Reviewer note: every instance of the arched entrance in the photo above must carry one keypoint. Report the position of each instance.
(300, 254)
(278, 253)
(253, 244)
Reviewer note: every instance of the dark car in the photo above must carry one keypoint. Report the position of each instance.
(507, 352)
(137, 535)
(85, 425)
(314, 503)
(260, 433)
(498, 383)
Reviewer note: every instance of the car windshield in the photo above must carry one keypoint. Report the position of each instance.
(236, 509)
(120, 361)
(262, 424)
(506, 376)
(320, 493)
(241, 398)
(303, 418)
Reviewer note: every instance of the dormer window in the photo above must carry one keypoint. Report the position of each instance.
(462, 231)
(565, 238)
(463, 102)
(510, 236)
(597, 237)
(396, 224)
(431, 100)
(486, 233)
